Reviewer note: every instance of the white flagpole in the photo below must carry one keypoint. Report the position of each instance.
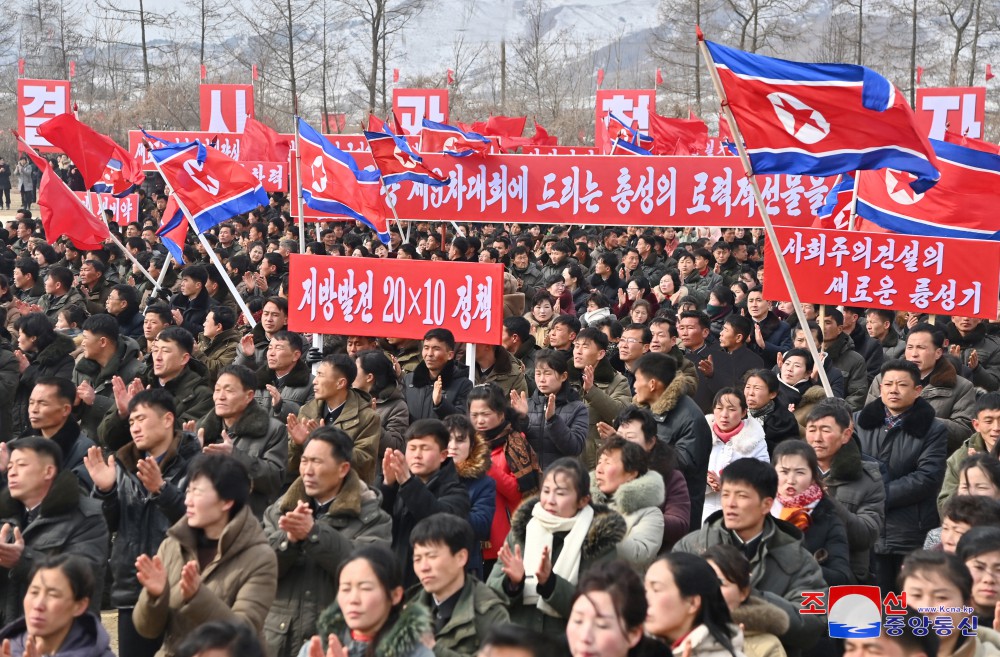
(128, 254)
(772, 238)
(211, 254)
(317, 338)
(163, 272)
(854, 202)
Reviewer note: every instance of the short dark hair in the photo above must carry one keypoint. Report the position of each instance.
(179, 336)
(28, 267)
(104, 325)
(978, 540)
(759, 475)
(522, 638)
(657, 366)
(293, 339)
(647, 335)
(634, 457)
(801, 353)
(554, 359)
(61, 275)
(835, 315)
(949, 566)
(65, 389)
(233, 637)
(224, 317)
(641, 415)
(937, 335)
(341, 445)
(988, 402)
(569, 321)
(129, 295)
(96, 263)
(429, 428)
(974, 510)
(246, 376)
(900, 365)
(157, 398)
(441, 335)
(595, 335)
(519, 326)
(832, 408)
(43, 447)
(280, 302)
(883, 314)
(78, 572)
(345, 366)
(446, 529)
(196, 273)
(741, 326)
(703, 320)
(229, 477)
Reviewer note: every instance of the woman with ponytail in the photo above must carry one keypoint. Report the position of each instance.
(802, 501)
(514, 465)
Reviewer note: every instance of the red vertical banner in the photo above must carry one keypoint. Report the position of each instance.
(961, 110)
(412, 106)
(397, 298)
(225, 107)
(37, 102)
(633, 106)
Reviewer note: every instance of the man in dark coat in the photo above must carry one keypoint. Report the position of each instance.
(900, 431)
(437, 387)
(43, 512)
(736, 331)
(841, 354)
(715, 367)
(191, 305)
(142, 493)
(418, 484)
(106, 353)
(679, 423)
(968, 339)
(50, 410)
(870, 349)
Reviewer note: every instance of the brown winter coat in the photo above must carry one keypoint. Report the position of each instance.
(762, 624)
(358, 421)
(238, 585)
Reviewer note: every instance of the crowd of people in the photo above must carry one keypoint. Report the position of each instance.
(648, 464)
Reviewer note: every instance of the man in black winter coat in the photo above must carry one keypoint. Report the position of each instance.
(715, 367)
(899, 430)
(191, 305)
(856, 326)
(418, 484)
(437, 387)
(50, 409)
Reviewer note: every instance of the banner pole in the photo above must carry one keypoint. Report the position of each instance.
(470, 360)
(854, 203)
(211, 254)
(128, 254)
(772, 238)
(317, 338)
(163, 273)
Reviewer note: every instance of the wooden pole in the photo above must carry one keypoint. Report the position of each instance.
(772, 238)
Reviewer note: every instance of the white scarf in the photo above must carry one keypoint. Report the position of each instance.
(538, 535)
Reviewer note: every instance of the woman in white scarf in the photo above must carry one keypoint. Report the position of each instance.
(553, 539)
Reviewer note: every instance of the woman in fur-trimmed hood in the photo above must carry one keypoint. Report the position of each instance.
(553, 539)
(624, 482)
(373, 623)
(471, 455)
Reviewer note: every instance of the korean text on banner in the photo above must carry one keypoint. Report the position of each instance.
(939, 276)
(126, 208)
(37, 102)
(398, 298)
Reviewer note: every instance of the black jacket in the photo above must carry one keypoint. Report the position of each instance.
(779, 425)
(74, 444)
(414, 500)
(912, 457)
(141, 520)
(870, 349)
(565, 434)
(826, 540)
(418, 389)
(723, 375)
(193, 311)
(54, 360)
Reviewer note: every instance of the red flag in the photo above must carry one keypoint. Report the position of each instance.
(20, 67)
(920, 73)
(451, 77)
(659, 77)
(204, 72)
(395, 75)
(677, 136)
(99, 159)
(254, 73)
(505, 126)
(989, 72)
(542, 137)
(62, 212)
(72, 69)
(261, 143)
(600, 77)
(969, 142)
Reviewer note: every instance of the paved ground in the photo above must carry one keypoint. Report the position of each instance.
(110, 621)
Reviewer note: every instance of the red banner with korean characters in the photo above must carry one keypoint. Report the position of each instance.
(939, 276)
(412, 106)
(37, 102)
(225, 107)
(229, 144)
(630, 105)
(606, 190)
(959, 109)
(126, 208)
(272, 175)
(397, 298)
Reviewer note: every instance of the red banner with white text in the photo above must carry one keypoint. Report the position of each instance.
(395, 298)
(939, 276)
(37, 102)
(126, 208)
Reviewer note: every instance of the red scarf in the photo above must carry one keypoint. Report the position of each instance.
(726, 436)
(796, 510)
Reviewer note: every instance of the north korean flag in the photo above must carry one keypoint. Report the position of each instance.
(333, 183)
(174, 229)
(397, 162)
(447, 139)
(211, 185)
(836, 211)
(821, 119)
(963, 204)
(618, 129)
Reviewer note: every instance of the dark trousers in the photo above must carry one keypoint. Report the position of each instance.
(27, 198)
(130, 642)
(887, 568)
(5, 194)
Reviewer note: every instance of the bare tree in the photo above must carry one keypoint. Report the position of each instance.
(959, 14)
(145, 19)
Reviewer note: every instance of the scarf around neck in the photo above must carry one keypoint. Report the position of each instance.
(726, 436)
(522, 461)
(763, 412)
(798, 508)
(538, 536)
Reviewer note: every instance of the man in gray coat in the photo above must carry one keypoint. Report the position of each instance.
(853, 482)
(326, 514)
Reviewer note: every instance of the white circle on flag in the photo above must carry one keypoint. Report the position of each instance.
(897, 185)
(450, 144)
(798, 119)
(403, 158)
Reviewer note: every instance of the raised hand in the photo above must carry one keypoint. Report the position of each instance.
(22, 360)
(275, 396)
(438, 394)
(151, 574)
(333, 647)
(246, 345)
(544, 567)
(519, 401)
(190, 580)
(149, 473)
(588, 378)
(706, 367)
(4, 457)
(388, 473)
(86, 393)
(297, 523)
(550, 408)
(605, 430)
(10, 553)
(512, 563)
(225, 447)
(101, 473)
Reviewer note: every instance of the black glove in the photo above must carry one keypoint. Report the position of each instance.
(314, 356)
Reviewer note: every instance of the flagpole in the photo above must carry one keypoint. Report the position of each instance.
(128, 254)
(854, 203)
(762, 208)
(163, 272)
(317, 338)
(211, 253)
